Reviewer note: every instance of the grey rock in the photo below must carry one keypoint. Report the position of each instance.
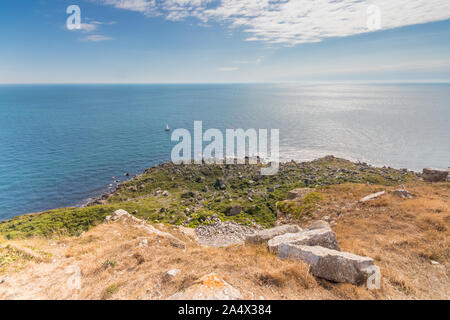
(402, 193)
(173, 272)
(330, 264)
(372, 196)
(324, 237)
(235, 210)
(267, 234)
(220, 184)
(435, 175)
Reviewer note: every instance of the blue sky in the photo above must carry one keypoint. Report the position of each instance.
(181, 41)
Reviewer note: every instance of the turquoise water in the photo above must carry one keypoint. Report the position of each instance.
(60, 145)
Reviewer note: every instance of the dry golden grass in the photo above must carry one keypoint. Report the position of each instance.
(402, 235)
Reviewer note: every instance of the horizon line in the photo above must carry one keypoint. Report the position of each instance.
(431, 81)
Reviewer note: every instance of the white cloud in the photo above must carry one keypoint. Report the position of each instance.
(257, 61)
(290, 22)
(97, 38)
(227, 69)
(148, 7)
(91, 25)
(88, 27)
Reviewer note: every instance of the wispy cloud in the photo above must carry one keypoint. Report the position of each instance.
(97, 38)
(257, 61)
(227, 69)
(148, 7)
(91, 25)
(290, 22)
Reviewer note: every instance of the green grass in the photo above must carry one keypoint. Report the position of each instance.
(110, 291)
(193, 187)
(303, 207)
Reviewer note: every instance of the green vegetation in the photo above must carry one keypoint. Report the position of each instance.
(110, 291)
(109, 264)
(302, 207)
(196, 192)
(9, 255)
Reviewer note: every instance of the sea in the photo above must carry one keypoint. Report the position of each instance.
(61, 145)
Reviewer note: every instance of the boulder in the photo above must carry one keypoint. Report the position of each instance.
(317, 237)
(298, 193)
(372, 196)
(173, 272)
(235, 210)
(209, 287)
(319, 224)
(402, 193)
(330, 264)
(267, 234)
(434, 175)
(118, 214)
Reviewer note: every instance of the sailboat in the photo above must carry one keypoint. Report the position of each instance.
(167, 127)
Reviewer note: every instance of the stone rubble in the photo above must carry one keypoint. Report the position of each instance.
(221, 234)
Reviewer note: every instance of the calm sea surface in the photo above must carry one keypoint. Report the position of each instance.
(60, 145)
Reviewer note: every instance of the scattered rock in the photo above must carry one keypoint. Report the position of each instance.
(218, 233)
(209, 287)
(235, 210)
(173, 272)
(330, 264)
(200, 180)
(267, 234)
(434, 175)
(165, 193)
(220, 184)
(402, 193)
(132, 189)
(324, 237)
(143, 243)
(435, 263)
(372, 196)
